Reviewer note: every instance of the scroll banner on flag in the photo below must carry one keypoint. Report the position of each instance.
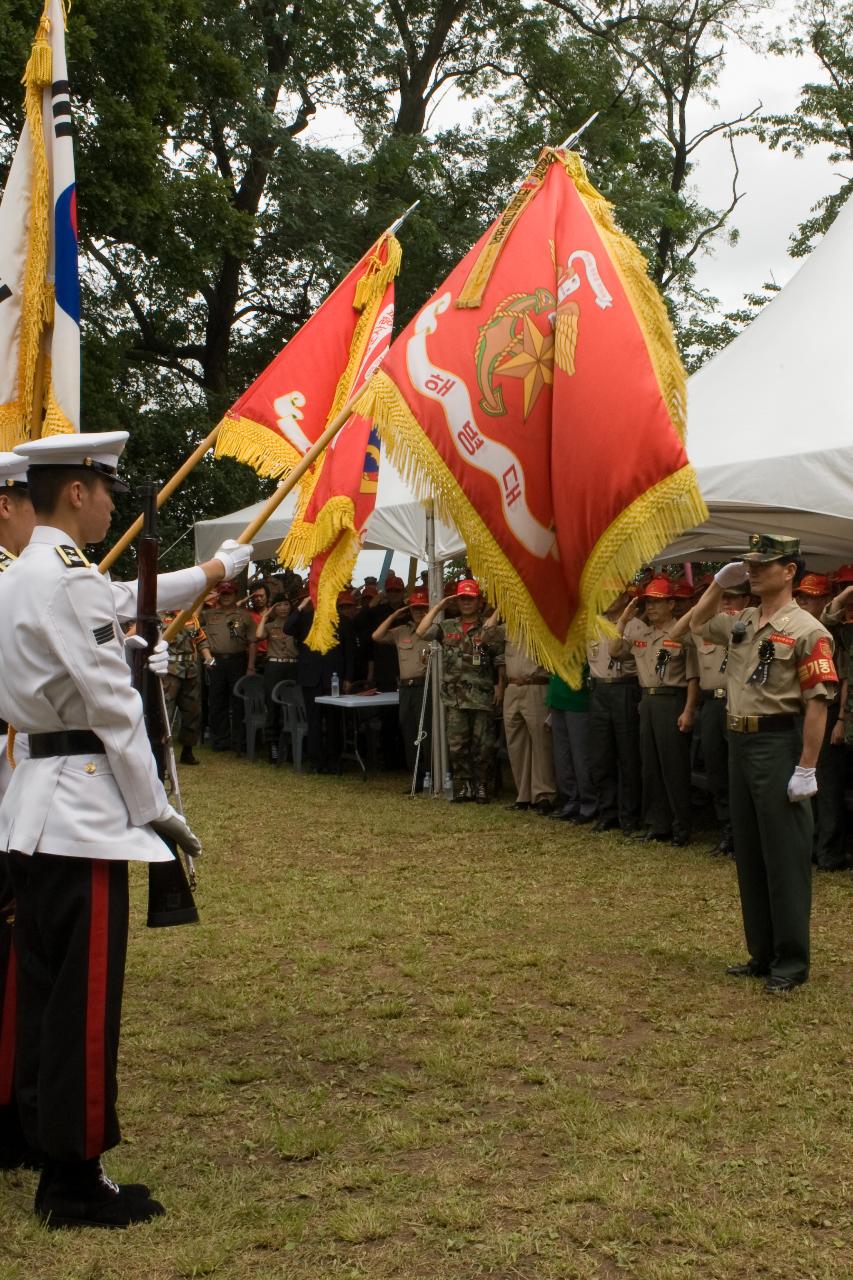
(39, 281)
(539, 398)
(286, 409)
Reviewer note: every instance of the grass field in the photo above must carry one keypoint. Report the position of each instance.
(416, 1040)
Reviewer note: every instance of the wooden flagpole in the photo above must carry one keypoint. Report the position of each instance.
(273, 502)
(166, 492)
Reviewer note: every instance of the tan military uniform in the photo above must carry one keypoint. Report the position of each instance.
(603, 667)
(528, 739)
(228, 630)
(711, 658)
(414, 716)
(772, 836)
(280, 647)
(229, 634)
(410, 651)
(646, 644)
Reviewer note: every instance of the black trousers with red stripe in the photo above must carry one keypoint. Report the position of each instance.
(71, 943)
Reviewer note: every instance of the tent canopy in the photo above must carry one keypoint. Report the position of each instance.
(398, 523)
(770, 418)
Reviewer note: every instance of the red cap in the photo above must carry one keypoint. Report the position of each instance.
(814, 584)
(682, 590)
(393, 583)
(346, 597)
(224, 587)
(844, 574)
(419, 599)
(659, 588)
(467, 587)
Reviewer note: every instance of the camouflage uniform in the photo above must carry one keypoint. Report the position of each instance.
(470, 665)
(182, 686)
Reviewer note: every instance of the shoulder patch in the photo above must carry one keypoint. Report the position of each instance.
(6, 558)
(72, 557)
(104, 633)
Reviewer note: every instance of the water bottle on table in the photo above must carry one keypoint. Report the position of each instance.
(336, 685)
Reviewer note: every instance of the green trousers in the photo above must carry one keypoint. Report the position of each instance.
(614, 751)
(715, 751)
(773, 850)
(471, 745)
(665, 754)
(411, 701)
(830, 837)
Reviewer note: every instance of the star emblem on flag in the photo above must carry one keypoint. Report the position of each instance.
(534, 363)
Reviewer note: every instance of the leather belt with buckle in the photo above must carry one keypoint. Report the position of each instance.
(527, 679)
(708, 695)
(66, 742)
(760, 724)
(664, 691)
(412, 683)
(595, 681)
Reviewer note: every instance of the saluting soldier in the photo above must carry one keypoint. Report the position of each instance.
(280, 664)
(230, 633)
(400, 629)
(182, 684)
(780, 677)
(614, 730)
(669, 679)
(471, 689)
(831, 820)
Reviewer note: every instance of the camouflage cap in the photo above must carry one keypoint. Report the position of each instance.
(764, 547)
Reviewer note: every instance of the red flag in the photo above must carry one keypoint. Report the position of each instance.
(539, 397)
(286, 409)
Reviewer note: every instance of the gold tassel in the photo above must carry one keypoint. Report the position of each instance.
(39, 69)
(335, 575)
(566, 338)
(313, 537)
(256, 445)
(10, 746)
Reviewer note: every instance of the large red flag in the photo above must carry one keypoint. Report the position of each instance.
(539, 397)
(287, 407)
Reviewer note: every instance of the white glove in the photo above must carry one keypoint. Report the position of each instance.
(159, 659)
(172, 826)
(234, 556)
(803, 784)
(732, 574)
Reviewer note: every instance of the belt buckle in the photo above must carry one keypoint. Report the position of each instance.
(719, 693)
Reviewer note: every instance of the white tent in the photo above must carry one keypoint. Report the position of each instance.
(770, 419)
(398, 524)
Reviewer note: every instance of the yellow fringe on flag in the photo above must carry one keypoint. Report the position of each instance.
(10, 746)
(268, 453)
(308, 539)
(655, 518)
(335, 574)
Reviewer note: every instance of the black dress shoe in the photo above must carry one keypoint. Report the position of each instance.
(518, 805)
(605, 824)
(680, 840)
(583, 818)
(778, 986)
(748, 970)
(543, 808)
(564, 815)
(187, 756)
(648, 837)
(79, 1194)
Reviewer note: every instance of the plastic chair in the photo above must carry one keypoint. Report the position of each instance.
(294, 721)
(250, 691)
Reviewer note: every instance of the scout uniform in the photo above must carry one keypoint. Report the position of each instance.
(664, 668)
(773, 669)
(230, 633)
(469, 676)
(86, 800)
(713, 682)
(528, 738)
(411, 652)
(280, 665)
(614, 736)
(182, 686)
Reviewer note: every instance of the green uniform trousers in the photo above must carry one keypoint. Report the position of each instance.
(471, 745)
(665, 754)
(773, 850)
(411, 701)
(184, 694)
(830, 837)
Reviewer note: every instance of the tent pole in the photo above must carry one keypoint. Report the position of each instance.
(436, 593)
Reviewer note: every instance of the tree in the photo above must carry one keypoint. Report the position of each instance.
(824, 115)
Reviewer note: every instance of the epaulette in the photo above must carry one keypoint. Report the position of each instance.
(72, 557)
(6, 558)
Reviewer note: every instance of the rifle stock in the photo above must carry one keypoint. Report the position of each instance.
(170, 899)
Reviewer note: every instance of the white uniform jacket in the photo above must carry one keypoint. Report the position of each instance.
(64, 668)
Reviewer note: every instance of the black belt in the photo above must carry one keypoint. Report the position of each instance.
(760, 724)
(595, 681)
(708, 695)
(290, 660)
(664, 691)
(67, 742)
(414, 682)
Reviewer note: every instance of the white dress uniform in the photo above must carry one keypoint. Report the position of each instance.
(69, 672)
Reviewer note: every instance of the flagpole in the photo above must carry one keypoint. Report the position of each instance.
(273, 502)
(574, 138)
(166, 492)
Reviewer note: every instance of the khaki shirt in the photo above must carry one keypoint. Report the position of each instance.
(280, 647)
(410, 650)
(646, 642)
(801, 667)
(228, 630)
(711, 658)
(603, 667)
(521, 667)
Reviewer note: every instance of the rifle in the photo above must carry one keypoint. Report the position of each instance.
(170, 899)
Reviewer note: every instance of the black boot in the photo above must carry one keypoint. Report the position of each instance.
(187, 756)
(79, 1194)
(481, 794)
(462, 793)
